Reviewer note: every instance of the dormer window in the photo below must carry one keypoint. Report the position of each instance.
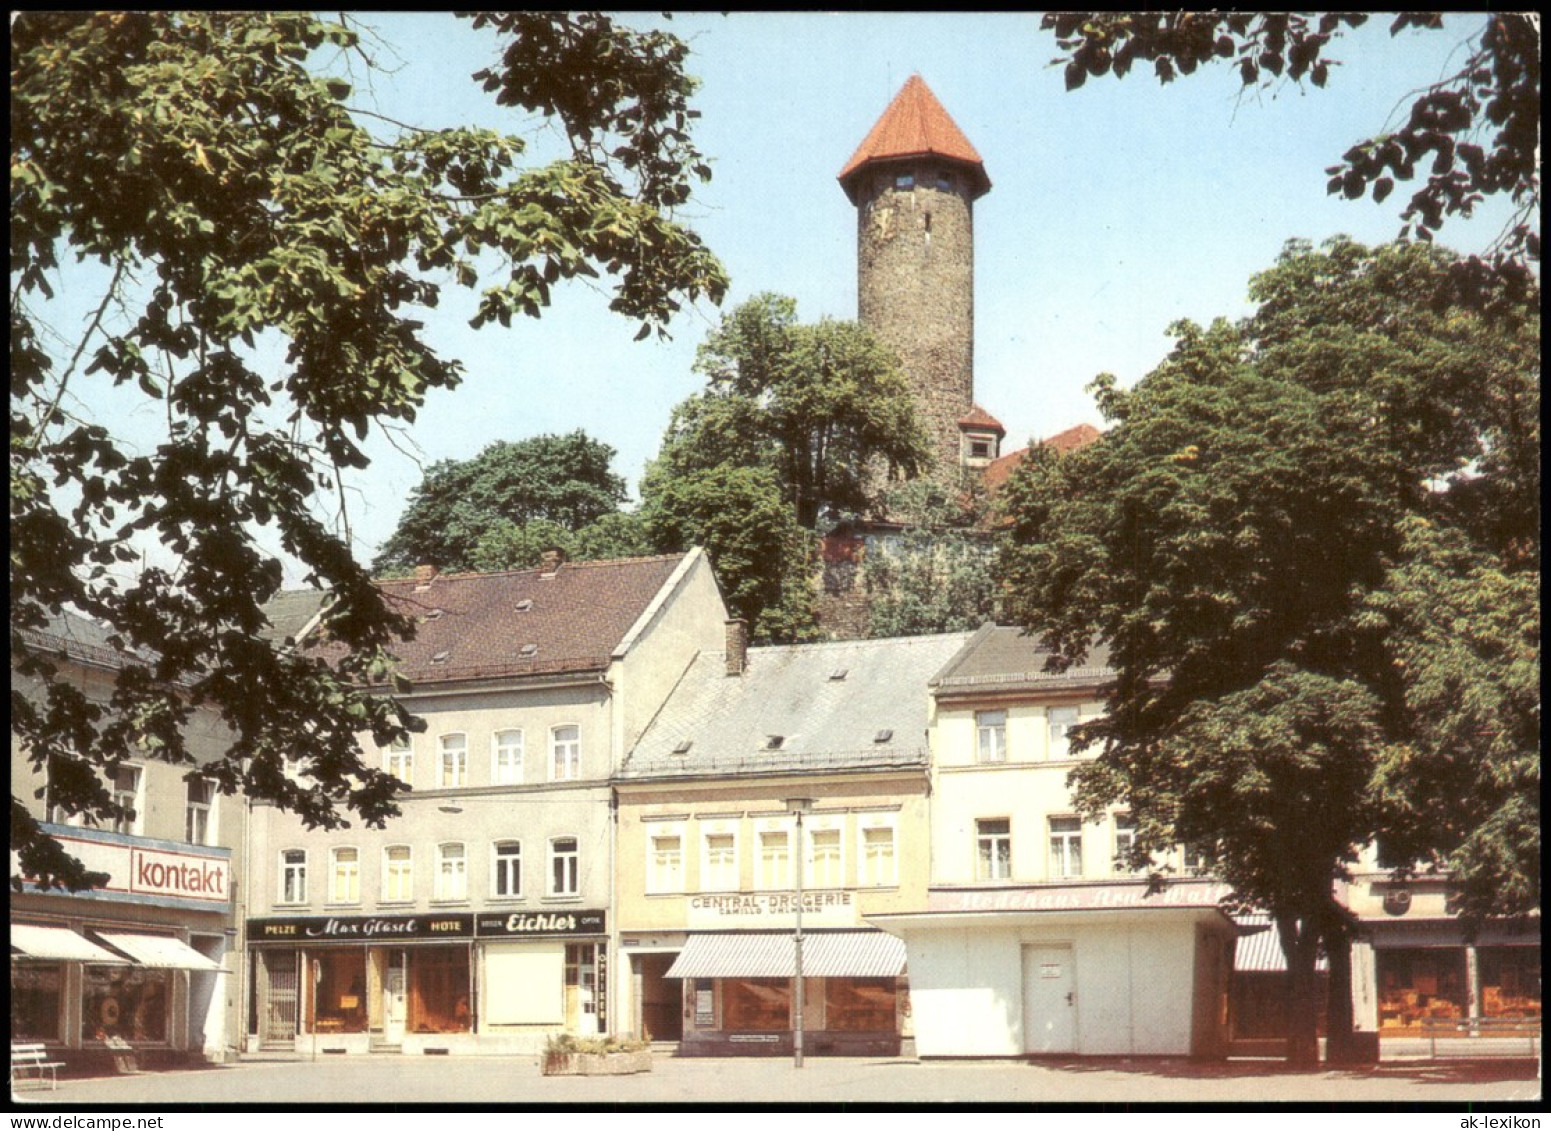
(528, 651)
(774, 741)
(525, 605)
(838, 674)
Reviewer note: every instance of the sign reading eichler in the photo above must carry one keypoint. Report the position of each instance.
(360, 928)
(143, 870)
(537, 924)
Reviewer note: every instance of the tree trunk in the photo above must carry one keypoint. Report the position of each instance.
(1299, 935)
(1339, 1045)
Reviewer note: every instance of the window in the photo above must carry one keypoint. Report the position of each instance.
(126, 1001)
(1194, 860)
(759, 1004)
(565, 749)
(196, 818)
(564, 858)
(905, 181)
(667, 864)
(824, 859)
(452, 875)
(1062, 720)
(979, 449)
(1065, 846)
(345, 875)
(945, 182)
(993, 844)
(57, 767)
(775, 860)
(438, 984)
(340, 989)
(506, 758)
(399, 760)
(508, 869)
(455, 761)
(398, 874)
(878, 858)
(721, 863)
(1125, 839)
(992, 729)
(126, 793)
(293, 875)
(860, 1004)
(36, 995)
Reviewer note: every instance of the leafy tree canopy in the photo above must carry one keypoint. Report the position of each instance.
(1473, 133)
(936, 574)
(210, 170)
(1304, 542)
(506, 545)
(564, 482)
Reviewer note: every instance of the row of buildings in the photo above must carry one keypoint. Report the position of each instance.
(609, 809)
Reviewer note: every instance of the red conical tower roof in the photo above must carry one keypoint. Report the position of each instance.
(915, 125)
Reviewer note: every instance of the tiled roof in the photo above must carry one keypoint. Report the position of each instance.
(999, 658)
(845, 705)
(978, 417)
(998, 471)
(914, 125)
(523, 622)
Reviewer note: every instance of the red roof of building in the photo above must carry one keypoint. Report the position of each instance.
(998, 471)
(914, 125)
(978, 417)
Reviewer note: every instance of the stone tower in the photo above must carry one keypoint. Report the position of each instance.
(914, 181)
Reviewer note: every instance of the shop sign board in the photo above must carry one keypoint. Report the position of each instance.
(358, 928)
(538, 924)
(149, 871)
(1081, 897)
(773, 909)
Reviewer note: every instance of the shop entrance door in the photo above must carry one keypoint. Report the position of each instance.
(1049, 1000)
(581, 989)
(661, 1001)
(279, 1016)
(395, 1000)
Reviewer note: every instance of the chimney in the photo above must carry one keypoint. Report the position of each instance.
(424, 574)
(737, 647)
(550, 561)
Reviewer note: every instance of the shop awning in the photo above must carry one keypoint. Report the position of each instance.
(1259, 949)
(759, 954)
(160, 951)
(59, 944)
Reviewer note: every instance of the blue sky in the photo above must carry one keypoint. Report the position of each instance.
(1115, 210)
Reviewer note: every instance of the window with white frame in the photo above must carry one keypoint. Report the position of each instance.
(506, 866)
(344, 875)
(293, 875)
(878, 867)
(455, 761)
(197, 825)
(993, 848)
(452, 872)
(719, 868)
(399, 760)
(564, 866)
(1194, 857)
(565, 753)
(506, 757)
(126, 793)
(56, 812)
(775, 859)
(398, 874)
(825, 866)
(1125, 841)
(1065, 847)
(991, 731)
(665, 872)
(1061, 720)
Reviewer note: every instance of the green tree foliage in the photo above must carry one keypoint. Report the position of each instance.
(763, 559)
(1305, 541)
(209, 171)
(1473, 133)
(507, 545)
(562, 482)
(936, 574)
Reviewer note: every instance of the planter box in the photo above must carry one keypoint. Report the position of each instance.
(596, 1063)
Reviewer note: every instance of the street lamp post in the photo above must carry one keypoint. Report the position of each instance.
(798, 806)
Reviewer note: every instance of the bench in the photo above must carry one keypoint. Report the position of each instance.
(1464, 1035)
(31, 1062)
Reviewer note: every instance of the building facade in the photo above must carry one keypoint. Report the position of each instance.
(1034, 938)
(480, 919)
(149, 958)
(712, 850)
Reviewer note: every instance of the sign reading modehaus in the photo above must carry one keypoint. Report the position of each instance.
(1080, 897)
(150, 871)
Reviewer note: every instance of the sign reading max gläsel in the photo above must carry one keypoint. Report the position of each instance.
(353, 928)
(533, 923)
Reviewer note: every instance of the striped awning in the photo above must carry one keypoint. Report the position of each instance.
(160, 951)
(1260, 948)
(58, 943)
(772, 954)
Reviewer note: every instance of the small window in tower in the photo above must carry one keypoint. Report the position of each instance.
(980, 449)
(928, 223)
(905, 181)
(945, 182)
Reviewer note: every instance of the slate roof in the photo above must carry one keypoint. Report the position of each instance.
(914, 125)
(826, 724)
(290, 611)
(523, 622)
(999, 658)
(74, 637)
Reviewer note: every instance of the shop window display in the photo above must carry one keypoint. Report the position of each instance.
(1420, 987)
(341, 996)
(125, 1001)
(757, 1003)
(856, 1004)
(439, 990)
(35, 994)
(1510, 982)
